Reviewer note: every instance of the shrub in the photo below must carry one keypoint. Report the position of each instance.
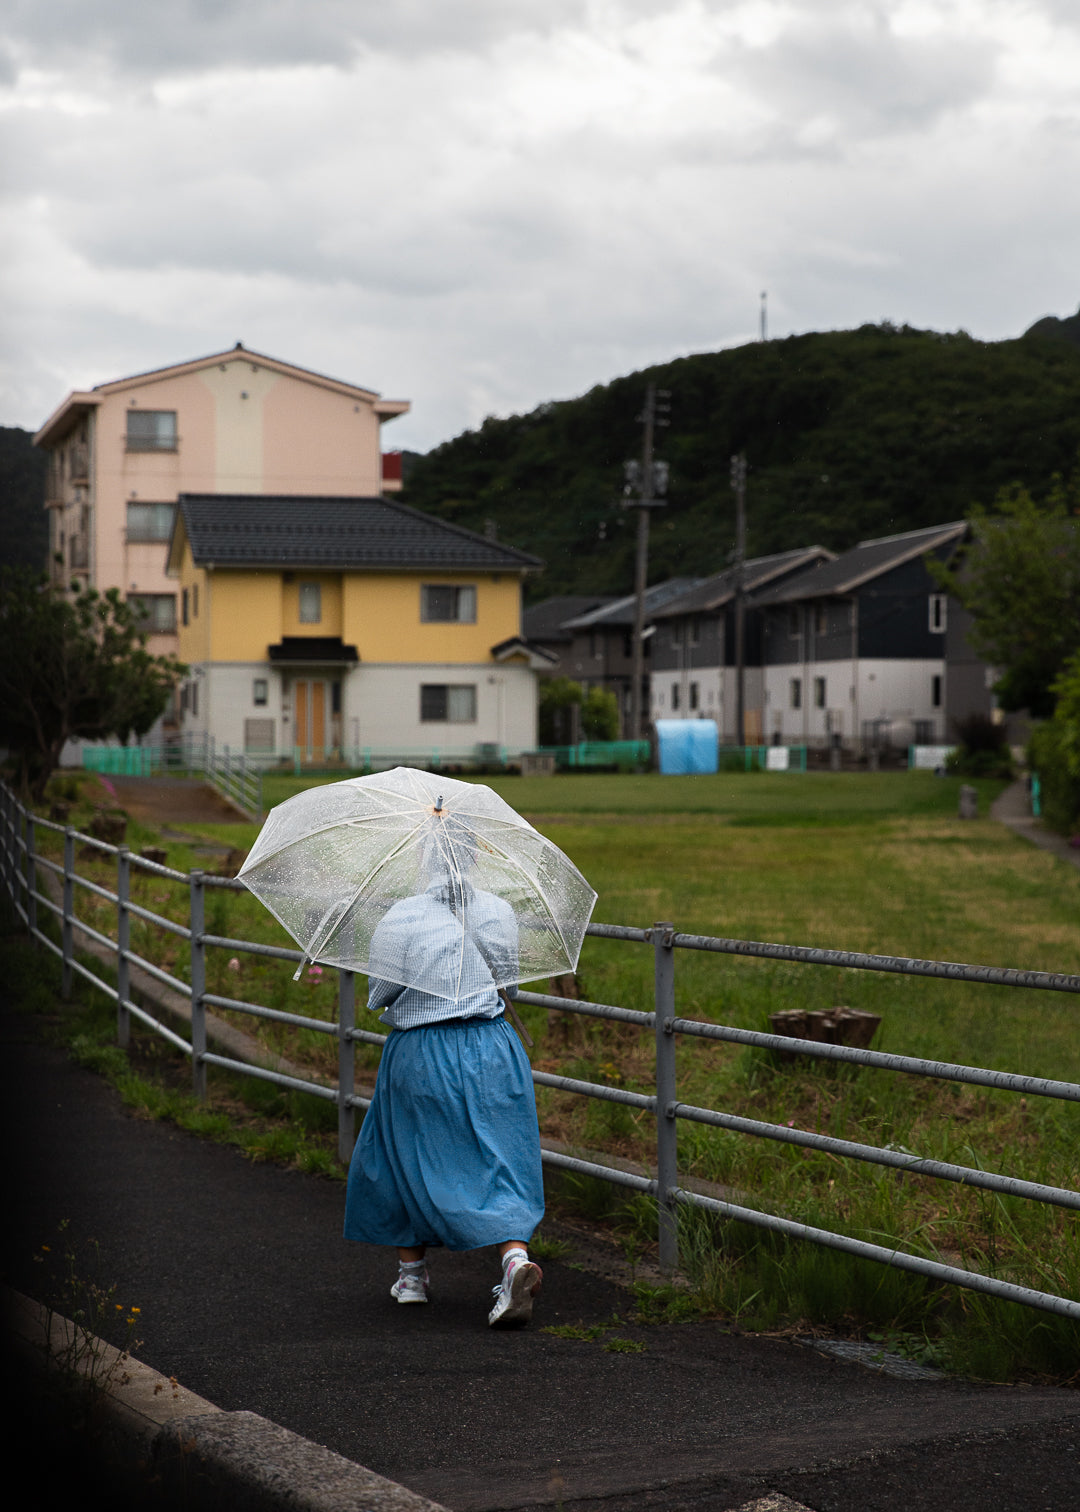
(1054, 753)
(1047, 755)
(983, 750)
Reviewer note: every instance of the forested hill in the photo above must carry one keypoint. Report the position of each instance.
(847, 434)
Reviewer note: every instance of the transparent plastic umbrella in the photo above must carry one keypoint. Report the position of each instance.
(420, 879)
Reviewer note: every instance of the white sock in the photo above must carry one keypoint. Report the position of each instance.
(513, 1255)
(411, 1267)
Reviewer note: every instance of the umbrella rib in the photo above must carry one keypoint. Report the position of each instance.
(539, 892)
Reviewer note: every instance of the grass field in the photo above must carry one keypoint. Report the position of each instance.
(876, 862)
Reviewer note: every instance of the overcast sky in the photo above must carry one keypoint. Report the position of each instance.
(479, 205)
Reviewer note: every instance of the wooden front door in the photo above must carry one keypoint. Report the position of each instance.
(309, 699)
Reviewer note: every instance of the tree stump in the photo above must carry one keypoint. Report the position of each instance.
(830, 1026)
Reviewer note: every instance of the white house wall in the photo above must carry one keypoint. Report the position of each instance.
(383, 707)
(881, 689)
(380, 705)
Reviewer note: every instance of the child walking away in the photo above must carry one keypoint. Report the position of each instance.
(449, 1151)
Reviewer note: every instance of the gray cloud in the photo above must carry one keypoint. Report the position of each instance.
(161, 37)
(853, 80)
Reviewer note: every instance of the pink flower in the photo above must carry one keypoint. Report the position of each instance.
(234, 964)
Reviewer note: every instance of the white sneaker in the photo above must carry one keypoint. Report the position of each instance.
(411, 1288)
(514, 1294)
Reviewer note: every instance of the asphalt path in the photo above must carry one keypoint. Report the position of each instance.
(250, 1297)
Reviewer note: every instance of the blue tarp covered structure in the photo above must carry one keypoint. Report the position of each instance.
(687, 745)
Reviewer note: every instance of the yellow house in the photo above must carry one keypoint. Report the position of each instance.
(329, 626)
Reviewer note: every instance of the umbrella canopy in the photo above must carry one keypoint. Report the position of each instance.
(420, 879)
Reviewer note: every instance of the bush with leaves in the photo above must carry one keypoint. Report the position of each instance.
(1054, 753)
(75, 665)
(569, 712)
(983, 749)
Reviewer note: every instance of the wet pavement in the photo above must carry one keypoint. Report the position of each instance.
(251, 1298)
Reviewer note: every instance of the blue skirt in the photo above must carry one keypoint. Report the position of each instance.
(449, 1151)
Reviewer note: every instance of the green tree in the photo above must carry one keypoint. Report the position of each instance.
(1067, 712)
(569, 712)
(558, 697)
(1020, 580)
(1054, 753)
(73, 666)
(600, 715)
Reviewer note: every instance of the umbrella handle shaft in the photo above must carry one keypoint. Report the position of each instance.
(514, 1018)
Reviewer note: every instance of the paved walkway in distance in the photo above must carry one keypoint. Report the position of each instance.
(1013, 808)
(251, 1298)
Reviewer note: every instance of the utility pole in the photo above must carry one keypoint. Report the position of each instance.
(764, 335)
(646, 485)
(738, 483)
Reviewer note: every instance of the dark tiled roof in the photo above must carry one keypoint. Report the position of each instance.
(271, 530)
(545, 621)
(620, 612)
(719, 589)
(867, 560)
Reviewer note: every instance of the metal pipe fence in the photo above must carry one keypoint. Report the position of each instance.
(22, 864)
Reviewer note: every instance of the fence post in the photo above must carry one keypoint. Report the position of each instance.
(228, 773)
(346, 1065)
(197, 921)
(31, 873)
(123, 945)
(66, 931)
(667, 1173)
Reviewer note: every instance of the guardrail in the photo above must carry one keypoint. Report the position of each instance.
(21, 862)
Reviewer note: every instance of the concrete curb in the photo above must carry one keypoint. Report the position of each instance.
(189, 1450)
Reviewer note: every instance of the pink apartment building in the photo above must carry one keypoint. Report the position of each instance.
(235, 422)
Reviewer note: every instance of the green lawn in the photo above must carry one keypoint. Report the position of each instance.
(751, 798)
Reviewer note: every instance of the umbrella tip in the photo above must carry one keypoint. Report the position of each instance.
(438, 804)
